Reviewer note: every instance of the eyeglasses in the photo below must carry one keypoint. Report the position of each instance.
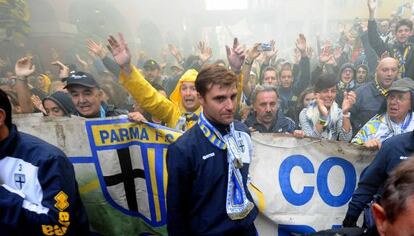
(398, 97)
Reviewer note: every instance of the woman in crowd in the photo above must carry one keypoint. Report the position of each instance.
(323, 118)
(58, 104)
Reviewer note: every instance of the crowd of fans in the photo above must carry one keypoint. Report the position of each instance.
(358, 89)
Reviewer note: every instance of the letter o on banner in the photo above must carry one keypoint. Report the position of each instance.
(322, 181)
(297, 199)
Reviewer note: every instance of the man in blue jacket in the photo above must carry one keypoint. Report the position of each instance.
(208, 165)
(393, 151)
(38, 191)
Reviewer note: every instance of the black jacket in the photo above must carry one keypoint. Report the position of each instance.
(393, 151)
(380, 47)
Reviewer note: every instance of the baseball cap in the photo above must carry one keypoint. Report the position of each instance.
(402, 85)
(151, 65)
(81, 78)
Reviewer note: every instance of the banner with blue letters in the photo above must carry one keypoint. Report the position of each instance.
(306, 184)
(299, 185)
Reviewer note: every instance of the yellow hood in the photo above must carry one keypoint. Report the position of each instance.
(189, 76)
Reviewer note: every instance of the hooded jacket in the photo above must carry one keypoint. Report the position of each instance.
(341, 86)
(156, 104)
(171, 111)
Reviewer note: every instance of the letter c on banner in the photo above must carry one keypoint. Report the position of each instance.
(322, 181)
(286, 167)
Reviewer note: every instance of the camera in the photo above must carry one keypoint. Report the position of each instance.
(263, 47)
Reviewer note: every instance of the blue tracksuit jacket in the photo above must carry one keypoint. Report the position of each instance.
(197, 186)
(38, 191)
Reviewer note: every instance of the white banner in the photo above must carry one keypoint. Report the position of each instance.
(306, 183)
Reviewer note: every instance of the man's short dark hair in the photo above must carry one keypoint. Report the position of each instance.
(214, 74)
(404, 22)
(399, 187)
(269, 68)
(6, 106)
(285, 67)
(263, 88)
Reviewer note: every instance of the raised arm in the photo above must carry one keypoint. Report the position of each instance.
(252, 54)
(141, 90)
(23, 68)
(373, 37)
(304, 66)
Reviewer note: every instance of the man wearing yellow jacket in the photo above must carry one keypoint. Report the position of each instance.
(182, 111)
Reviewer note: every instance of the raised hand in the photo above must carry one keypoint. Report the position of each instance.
(301, 43)
(63, 70)
(236, 55)
(81, 61)
(253, 52)
(271, 55)
(175, 52)
(348, 102)
(205, 52)
(120, 51)
(24, 67)
(372, 7)
(321, 106)
(325, 55)
(38, 103)
(95, 48)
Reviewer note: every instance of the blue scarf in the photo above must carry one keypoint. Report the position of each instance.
(237, 204)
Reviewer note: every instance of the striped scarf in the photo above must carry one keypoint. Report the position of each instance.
(237, 204)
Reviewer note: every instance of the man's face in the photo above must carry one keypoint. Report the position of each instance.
(387, 71)
(384, 27)
(328, 96)
(398, 105)
(86, 100)
(265, 107)
(270, 78)
(361, 75)
(347, 75)
(219, 103)
(403, 225)
(286, 78)
(402, 34)
(189, 96)
(41, 81)
(152, 73)
(52, 109)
